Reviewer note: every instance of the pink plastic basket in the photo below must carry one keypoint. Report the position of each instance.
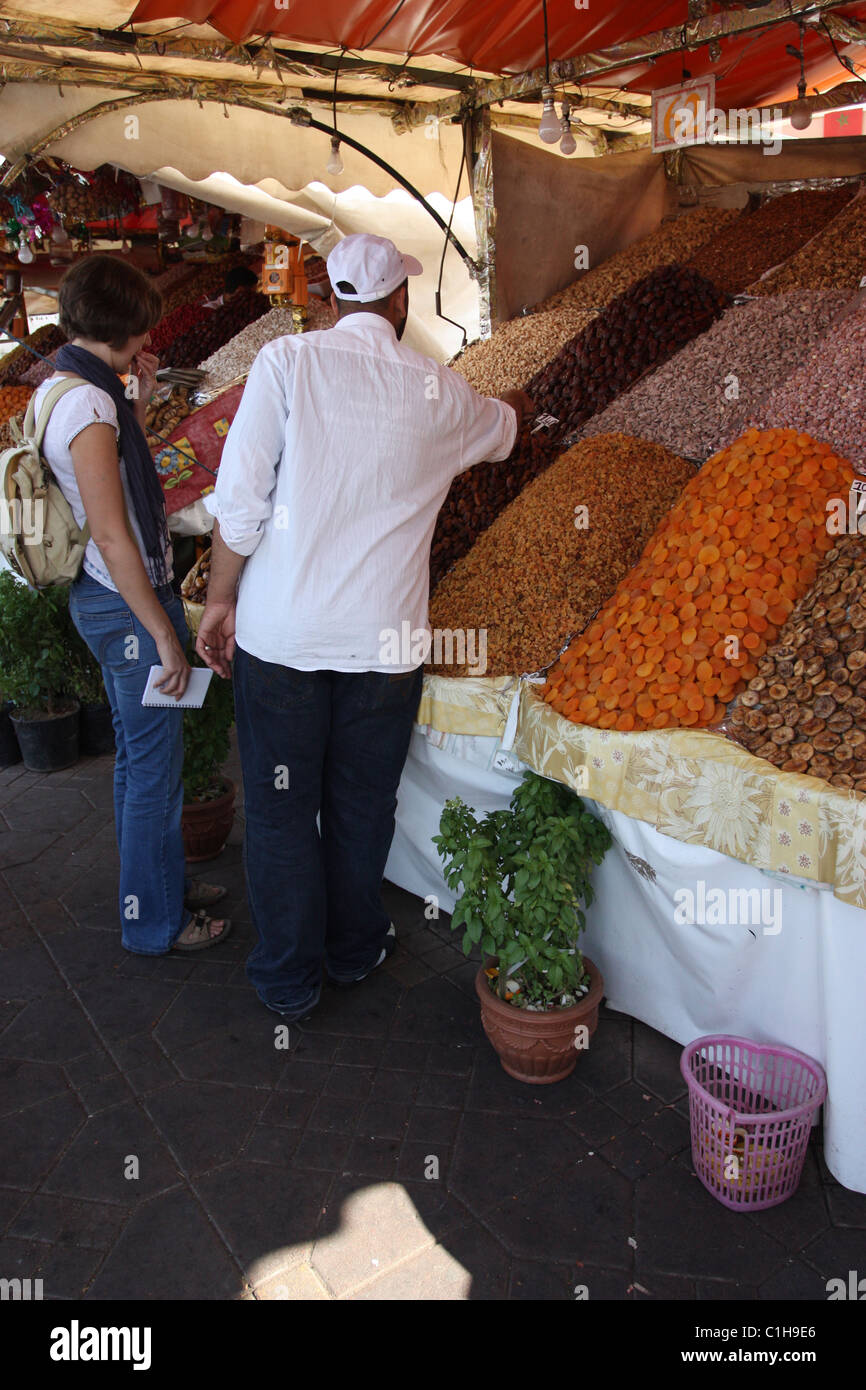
(751, 1109)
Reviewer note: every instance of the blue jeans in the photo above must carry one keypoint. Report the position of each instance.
(330, 744)
(148, 786)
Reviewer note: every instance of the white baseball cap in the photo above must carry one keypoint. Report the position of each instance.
(372, 264)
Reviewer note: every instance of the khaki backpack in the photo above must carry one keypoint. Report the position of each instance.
(39, 536)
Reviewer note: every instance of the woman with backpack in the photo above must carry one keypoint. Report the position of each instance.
(122, 603)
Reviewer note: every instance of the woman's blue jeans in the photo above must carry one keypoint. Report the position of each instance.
(330, 744)
(148, 785)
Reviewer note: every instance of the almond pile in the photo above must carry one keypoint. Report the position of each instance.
(805, 709)
(832, 260)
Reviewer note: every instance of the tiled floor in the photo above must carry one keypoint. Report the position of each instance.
(156, 1144)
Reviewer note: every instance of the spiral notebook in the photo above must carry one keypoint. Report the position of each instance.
(193, 697)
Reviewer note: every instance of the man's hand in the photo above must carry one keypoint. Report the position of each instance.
(215, 642)
(520, 403)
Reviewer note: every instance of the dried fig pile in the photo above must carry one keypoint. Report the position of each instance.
(768, 236)
(805, 710)
(545, 566)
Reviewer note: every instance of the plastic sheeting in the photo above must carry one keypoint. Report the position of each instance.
(800, 985)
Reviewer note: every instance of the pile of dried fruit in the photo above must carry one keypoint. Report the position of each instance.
(826, 396)
(805, 710)
(645, 325)
(713, 587)
(221, 324)
(194, 586)
(768, 236)
(546, 565)
(13, 401)
(173, 325)
(206, 280)
(45, 340)
(164, 416)
(705, 394)
(520, 348)
(833, 260)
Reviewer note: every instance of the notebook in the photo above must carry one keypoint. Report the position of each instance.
(193, 698)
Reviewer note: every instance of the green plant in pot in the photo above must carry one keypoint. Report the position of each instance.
(525, 875)
(85, 679)
(35, 664)
(208, 795)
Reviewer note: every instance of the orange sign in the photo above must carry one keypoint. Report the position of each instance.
(680, 114)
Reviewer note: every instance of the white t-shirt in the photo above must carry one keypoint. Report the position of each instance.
(82, 406)
(336, 464)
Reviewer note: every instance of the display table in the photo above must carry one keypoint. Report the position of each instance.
(800, 982)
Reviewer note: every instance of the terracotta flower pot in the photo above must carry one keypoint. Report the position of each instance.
(206, 824)
(539, 1047)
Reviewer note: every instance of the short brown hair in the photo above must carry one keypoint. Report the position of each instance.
(107, 300)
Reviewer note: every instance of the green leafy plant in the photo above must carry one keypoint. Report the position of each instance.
(35, 649)
(207, 739)
(525, 873)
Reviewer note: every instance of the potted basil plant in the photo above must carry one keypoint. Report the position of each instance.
(525, 878)
(35, 661)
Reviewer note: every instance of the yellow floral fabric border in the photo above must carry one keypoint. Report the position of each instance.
(695, 786)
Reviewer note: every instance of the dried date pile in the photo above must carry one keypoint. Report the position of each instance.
(759, 240)
(833, 260)
(805, 710)
(544, 567)
(204, 338)
(703, 396)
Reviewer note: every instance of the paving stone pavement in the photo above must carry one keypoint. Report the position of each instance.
(384, 1154)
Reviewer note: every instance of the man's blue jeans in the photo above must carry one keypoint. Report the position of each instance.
(330, 744)
(148, 786)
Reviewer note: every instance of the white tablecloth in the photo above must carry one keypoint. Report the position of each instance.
(802, 985)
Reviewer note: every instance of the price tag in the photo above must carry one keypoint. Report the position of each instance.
(862, 281)
(543, 422)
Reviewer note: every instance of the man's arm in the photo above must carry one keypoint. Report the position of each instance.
(215, 642)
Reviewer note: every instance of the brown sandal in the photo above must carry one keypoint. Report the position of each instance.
(200, 925)
(203, 895)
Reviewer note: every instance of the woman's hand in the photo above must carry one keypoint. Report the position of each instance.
(145, 365)
(176, 668)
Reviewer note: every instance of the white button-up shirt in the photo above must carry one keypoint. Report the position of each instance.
(341, 453)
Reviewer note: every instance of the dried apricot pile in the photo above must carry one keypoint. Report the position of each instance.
(715, 584)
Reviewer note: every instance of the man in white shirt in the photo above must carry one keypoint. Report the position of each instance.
(335, 467)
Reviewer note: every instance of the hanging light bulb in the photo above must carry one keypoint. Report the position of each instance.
(801, 112)
(549, 129)
(714, 50)
(567, 144)
(335, 163)
(25, 255)
(206, 233)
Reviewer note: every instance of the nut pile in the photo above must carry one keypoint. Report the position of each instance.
(518, 349)
(768, 236)
(637, 330)
(805, 710)
(237, 355)
(705, 394)
(194, 586)
(202, 340)
(45, 340)
(826, 395)
(833, 260)
(714, 586)
(544, 567)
